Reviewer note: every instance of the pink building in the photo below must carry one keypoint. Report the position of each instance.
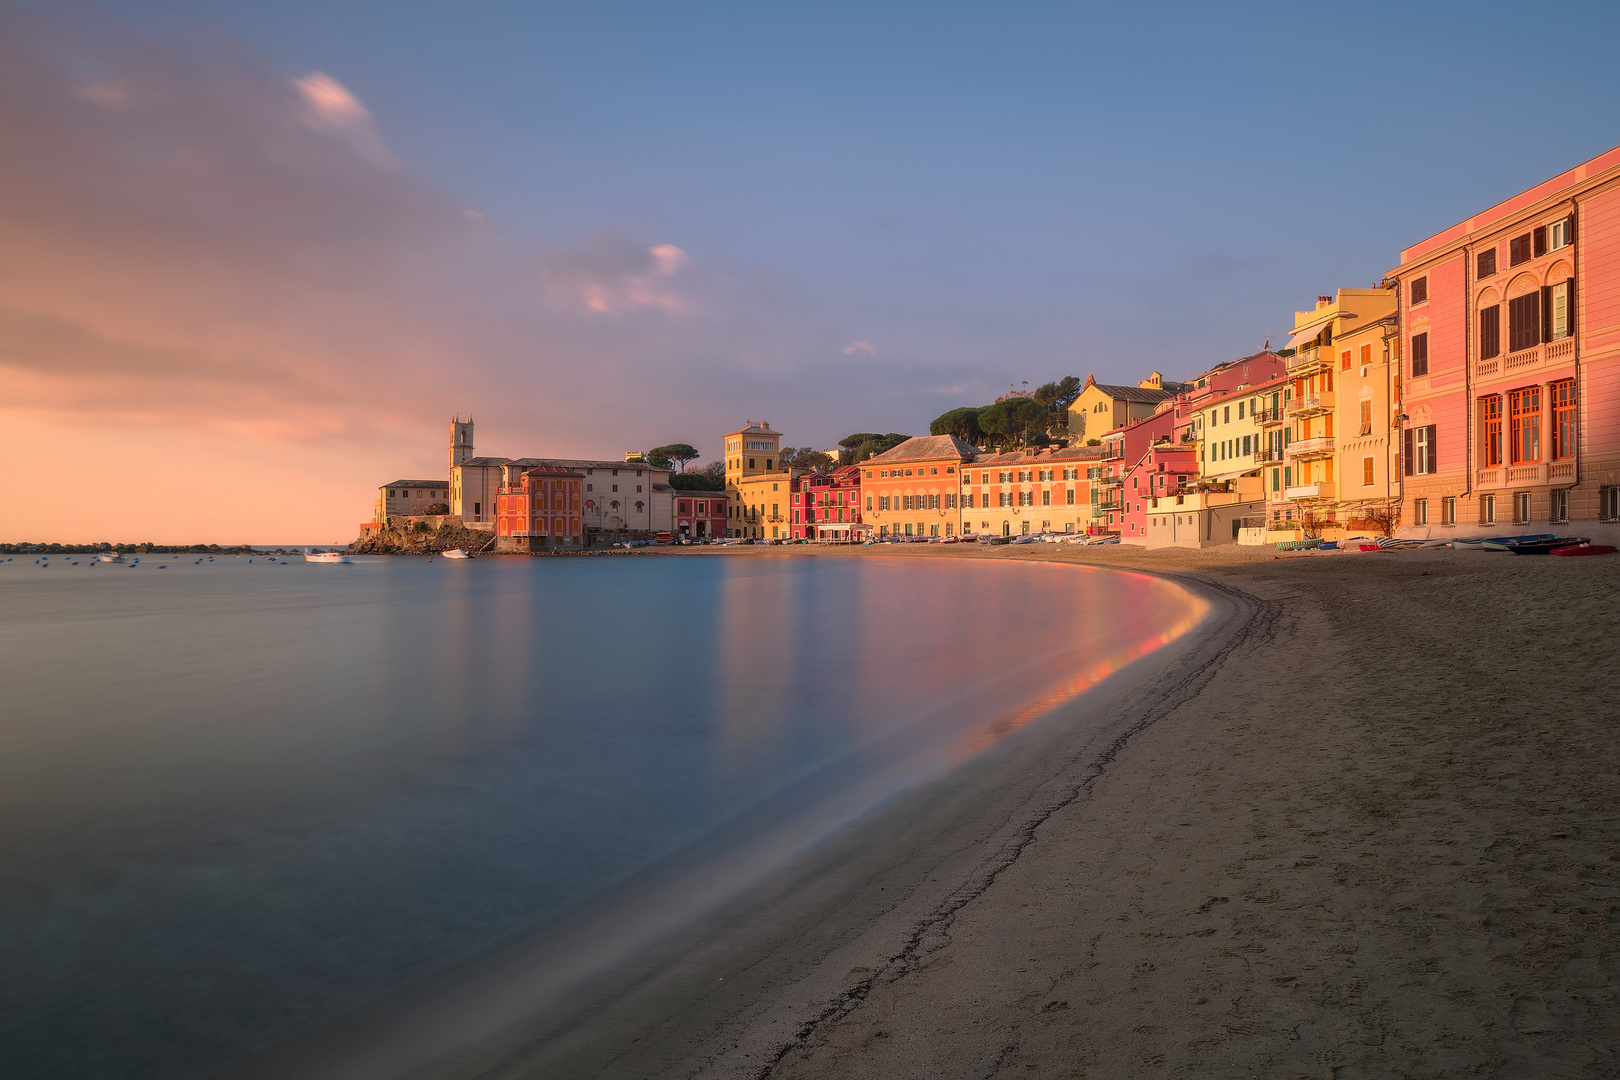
(826, 506)
(1510, 339)
(1166, 472)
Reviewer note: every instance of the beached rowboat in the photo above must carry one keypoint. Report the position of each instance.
(1584, 549)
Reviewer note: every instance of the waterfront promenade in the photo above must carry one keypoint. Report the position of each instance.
(1353, 830)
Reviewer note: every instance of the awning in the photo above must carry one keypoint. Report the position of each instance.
(1306, 335)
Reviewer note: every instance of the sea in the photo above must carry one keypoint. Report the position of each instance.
(245, 798)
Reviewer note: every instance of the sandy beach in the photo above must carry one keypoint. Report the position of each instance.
(1363, 823)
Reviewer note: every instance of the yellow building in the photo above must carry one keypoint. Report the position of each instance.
(1035, 490)
(757, 483)
(1102, 408)
(1339, 459)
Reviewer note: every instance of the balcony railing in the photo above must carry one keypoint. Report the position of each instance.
(1322, 490)
(1536, 474)
(1269, 417)
(1309, 359)
(1321, 401)
(1112, 481)
(1305, 448)
(1262, 457)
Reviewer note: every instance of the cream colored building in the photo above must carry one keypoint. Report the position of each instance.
(1102, 408)
(1036, 490)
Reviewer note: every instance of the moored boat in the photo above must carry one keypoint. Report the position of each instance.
(455, 553)
(328, 557)
(1583, 549)
(109, 558)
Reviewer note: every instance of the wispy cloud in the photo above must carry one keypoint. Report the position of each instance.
(197, 249)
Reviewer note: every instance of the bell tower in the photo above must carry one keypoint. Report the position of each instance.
(461, 441)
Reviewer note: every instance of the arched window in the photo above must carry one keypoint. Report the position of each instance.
(639, 507)
(614, 504)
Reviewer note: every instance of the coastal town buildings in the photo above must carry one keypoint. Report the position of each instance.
(541, 509)
(826, 506)
(1101, 408)
(913, 489)
(757, 482)
(1025, 491)
(700, 515)
(1510, 354)
(410, 497)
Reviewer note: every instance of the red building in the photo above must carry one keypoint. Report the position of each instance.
(826, 506)
(540, 511)
(700, 515)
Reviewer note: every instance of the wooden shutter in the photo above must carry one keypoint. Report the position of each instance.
(1546, 303)
(1540, 241)
(1434, 451)
(1406, 452)
(1569, 304)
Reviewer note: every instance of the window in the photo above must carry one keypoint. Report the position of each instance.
(1560, 505)
(883, 502)
(1561, 233)
(950, 500)
(1420, 354)
(1519, 250)
(1448, 510)
(1226, 415)
(1490, 332)
(1556, 307)
(1366, 472)
(1419, 452)
(1524, 321)
(1487, 509)
(1046, 497)
(1485, 264)
(1068, 497)
(1366, 355)
(1561, 396)
(1366, 419)
(1609, 504)
(1538, 241)
(1491, 425)
(1276, 479)
(1420, 291)
(1525, 426)
(1521, 507)
(1026, 498)
(1420, 511)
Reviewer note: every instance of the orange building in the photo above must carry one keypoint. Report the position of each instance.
(541, 510)
(914, 489)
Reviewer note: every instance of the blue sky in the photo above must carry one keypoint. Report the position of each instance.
(838, 217)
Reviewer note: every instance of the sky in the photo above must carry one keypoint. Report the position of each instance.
(254, 257)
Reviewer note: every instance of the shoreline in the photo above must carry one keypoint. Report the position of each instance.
(1348, 853)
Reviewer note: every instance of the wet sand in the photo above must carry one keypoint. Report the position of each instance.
(1365, 822)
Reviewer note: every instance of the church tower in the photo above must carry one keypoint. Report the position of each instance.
(461, 441)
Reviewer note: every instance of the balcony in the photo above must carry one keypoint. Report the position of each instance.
(1536, 474)
(1311, 448)
(1320, 402)
(1269, 417)
(1323, 490)
(1309, 360)
(1112, 481)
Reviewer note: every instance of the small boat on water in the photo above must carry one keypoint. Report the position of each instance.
(328, 557)
(109, 558)
(455, 553)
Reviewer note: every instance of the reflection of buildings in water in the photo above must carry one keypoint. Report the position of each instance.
(756, 651)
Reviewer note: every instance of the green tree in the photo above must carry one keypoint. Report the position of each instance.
(806, 457)
(865, 444)
(1009, 422)
(962, 422)
(678, 452)
(697, 481)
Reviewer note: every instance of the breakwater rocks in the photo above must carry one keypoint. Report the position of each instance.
(422, 536)
(138, 549)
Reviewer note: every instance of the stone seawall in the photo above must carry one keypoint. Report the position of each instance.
(422, 536)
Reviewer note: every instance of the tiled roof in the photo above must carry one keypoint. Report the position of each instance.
(925, 448)
(417, 483)
(1146, 394)
(1073, 453)
(485, 462)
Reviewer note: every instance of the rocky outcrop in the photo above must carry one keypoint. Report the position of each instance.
(422, 536)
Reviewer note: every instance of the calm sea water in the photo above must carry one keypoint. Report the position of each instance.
(238, 800)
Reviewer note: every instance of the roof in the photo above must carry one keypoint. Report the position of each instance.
(416, 483)
(925, 448)
(1073, 453)
(1145, 394)
(484, 462)
(566, 463)
(550, 470)
(762, 428)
